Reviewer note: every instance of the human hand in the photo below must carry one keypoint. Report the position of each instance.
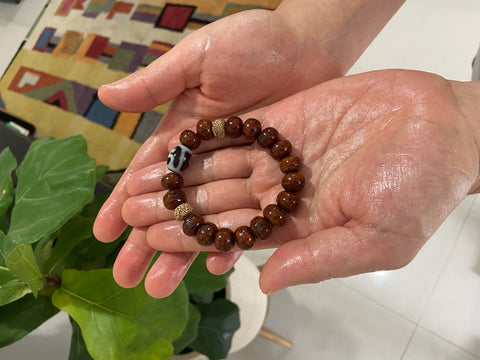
(387, 156)
(222, 68)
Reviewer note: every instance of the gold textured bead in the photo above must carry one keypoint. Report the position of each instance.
(218, 128)
(182, 211)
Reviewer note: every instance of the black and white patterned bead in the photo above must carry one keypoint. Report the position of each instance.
(179, 159)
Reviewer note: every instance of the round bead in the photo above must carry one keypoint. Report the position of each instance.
(179, 159)
(190, 139)
(293, 182)
(233, 127)
(290, 163)
(204, 129)
(267, 137)
(172, 181)
(224, 240)
(244, 237)
(173, 198)
(281, 149)
(182, 211)
(287, 201)
(206, 234)
(191, 224)
(251, 129)
(261, 227)
(218, 128)
(274, 215)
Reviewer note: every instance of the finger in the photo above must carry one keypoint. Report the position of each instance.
(109, 224)
(133, 259)
(169, 236)
(206, 167)
(149, 209)
(333, 253)
(167, 272)
(161, 81)
(220, 263)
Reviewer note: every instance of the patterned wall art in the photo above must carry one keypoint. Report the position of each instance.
(79, 45)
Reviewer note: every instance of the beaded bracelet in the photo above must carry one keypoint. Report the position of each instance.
(260, 227)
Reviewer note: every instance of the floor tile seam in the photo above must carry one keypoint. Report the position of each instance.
(376, 302)
(445, 263)
(437, 335)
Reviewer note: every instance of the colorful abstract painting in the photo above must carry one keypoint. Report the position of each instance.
(79, 45)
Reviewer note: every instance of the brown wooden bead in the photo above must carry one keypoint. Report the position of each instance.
(191, 224)
(190, 139)
(173, 198)
(204, 129)
(251, 129)
(244, 237)
(233, 127)
(290, 163)
(293, 182)
(171, 181)
(206, 234)
(281, 149)
(261, 227)
(182, 211)
(267, 137)
(287, 201)
(224, 240)
(274, 215)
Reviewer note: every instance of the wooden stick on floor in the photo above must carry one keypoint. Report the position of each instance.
(274, 337)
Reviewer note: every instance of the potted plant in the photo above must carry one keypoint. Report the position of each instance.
(51, 262)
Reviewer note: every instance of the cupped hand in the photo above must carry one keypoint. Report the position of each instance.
(387, 156)
(241, 62)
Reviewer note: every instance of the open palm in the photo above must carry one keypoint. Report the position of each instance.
(387, 156)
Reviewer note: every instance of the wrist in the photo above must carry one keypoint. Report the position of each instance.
(339, 30)
(468, 96)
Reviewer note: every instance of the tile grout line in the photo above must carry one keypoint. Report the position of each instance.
(442, 271)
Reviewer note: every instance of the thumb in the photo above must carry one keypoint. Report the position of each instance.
(333, 253)
(161, 81)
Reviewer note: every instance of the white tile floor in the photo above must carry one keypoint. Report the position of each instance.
(427, 310)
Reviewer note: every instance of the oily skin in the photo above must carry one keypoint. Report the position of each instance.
(387, 156)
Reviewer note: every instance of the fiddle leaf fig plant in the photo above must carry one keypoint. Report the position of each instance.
(51, 262)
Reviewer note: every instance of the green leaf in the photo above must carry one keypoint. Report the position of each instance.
(55, 180)
(200, 281)
(22, 263)
(120, 323)
(220, 320)
(7, 164)
(100, 172)
(73, 232)
(78, 349)
(190, 332)
(11, 289)
(22, 316)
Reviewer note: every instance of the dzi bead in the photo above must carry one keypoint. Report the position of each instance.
(179, 159)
